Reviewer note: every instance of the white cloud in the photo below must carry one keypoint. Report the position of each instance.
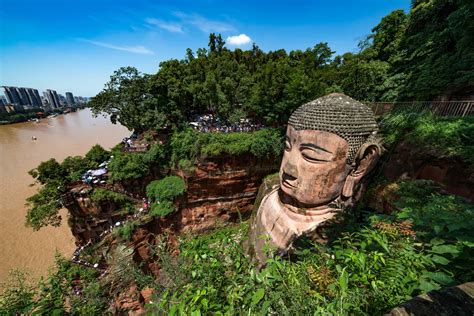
(238, 40)
(131, 49)
(170, 27)
(204, 24)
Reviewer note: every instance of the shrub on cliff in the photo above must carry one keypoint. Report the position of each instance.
(448, 136)
(156, 155)
(47, 171)
(190, 145)
(162, 209)
(166, 189)
(43, 207)
(126, 166)
(101, 195)
(17, 294)
(75, 167)
(126, 231)
(96, 155)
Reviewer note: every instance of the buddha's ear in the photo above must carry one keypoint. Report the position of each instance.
(365, 161)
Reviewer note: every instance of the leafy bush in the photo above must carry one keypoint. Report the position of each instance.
(126, 231)
(17, 295)
(74, 167)
(166, 189)
(54, 295)
(126, 166)
(43, 207)
(376, 265)
(156, 155)
(162, 209)
(101, 195)
(448, 136)
(188, 144)
(186, 165)
(96, 155)
(49, 170)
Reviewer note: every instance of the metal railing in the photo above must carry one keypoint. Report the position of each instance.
(440, 108)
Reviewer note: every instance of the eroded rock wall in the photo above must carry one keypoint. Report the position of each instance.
(417, 162)
(221, 189)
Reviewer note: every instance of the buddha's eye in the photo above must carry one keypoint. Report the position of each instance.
(287, 144)
(312, 155)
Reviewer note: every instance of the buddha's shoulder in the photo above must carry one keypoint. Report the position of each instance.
(270, 185)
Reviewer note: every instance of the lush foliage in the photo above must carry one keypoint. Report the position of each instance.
(162, 194)
(417, 56)
(446, 136)
(156, 155)
(188, 144)
(161, 209)
(126, 231)
(96, 155)
(166, 189)
(17, 295)
(47, 171)
(44, 206)
(49, 296)
(126, 166)
(371, 268)
(100, 195)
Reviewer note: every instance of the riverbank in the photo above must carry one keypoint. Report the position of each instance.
(34, 115)
(59, 137)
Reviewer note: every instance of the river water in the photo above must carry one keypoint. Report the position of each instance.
(65, 135)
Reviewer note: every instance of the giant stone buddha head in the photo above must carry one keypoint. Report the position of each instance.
(330, 146)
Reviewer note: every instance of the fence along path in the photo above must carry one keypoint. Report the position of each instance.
(440, 108)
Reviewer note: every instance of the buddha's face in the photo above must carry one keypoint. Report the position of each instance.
(314, 168)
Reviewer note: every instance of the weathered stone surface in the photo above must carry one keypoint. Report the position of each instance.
(219, 189)
(414, 161)
(457, 300)
(330, 147)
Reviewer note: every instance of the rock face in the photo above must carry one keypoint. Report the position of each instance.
(221, 188)
(88, 219)
(457, 300)
(218, 190)
(410, 160)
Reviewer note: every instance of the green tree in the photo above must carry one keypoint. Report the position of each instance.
(127, 166)
(96, 155)
(47, 171)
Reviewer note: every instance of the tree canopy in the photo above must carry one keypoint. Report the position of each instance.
(423, 55)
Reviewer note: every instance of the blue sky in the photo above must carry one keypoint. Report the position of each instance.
(76, 45)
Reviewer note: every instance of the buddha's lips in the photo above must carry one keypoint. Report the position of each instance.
(286, 183)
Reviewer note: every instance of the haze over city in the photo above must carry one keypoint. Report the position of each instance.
(76, 46)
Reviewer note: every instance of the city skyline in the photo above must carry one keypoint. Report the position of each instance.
(77, 46)
(21, 97)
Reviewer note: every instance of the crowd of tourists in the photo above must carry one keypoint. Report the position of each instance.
(209, 124)
(96, 176)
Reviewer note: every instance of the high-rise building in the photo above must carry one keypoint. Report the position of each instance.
(3, 100)
(52, 98)
(70, 98)
(12, 95)
(34, 97)
(23, 96)
(56, 98)
(62, 100)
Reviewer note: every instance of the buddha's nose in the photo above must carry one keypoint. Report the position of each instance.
(290, 168)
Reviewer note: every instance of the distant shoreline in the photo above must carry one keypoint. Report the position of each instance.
(32, 116)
